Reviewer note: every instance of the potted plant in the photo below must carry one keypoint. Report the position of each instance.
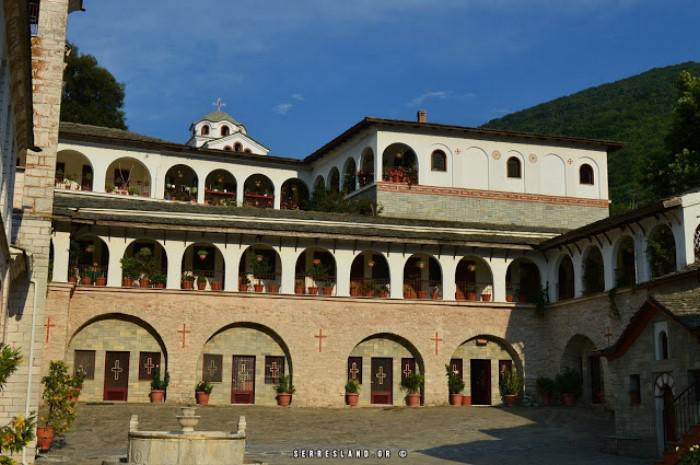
(159, 280)
(86, 280)
(299, 287)
(568, 382)
(60, 411)
(215, 285)
(545, 387)
(436, 295)
(383, 291)
(146, 266)
(187, 280)
(511, 387)
(367, 289)
(352, 392)
(355, 290)
(158, 386)
(76, 385)
(316, 271)
(421, 294)
(471, 295)
(408, 292)
(203, 391)
(130, 270)
(201, 282)
(243, 284)
(487, 293)
(459, 295)
(455, 386)
(273, 288)
(327, 287)
(284, 389)
(261, 268)
(73, 277)
(100, 280)
(412, 384)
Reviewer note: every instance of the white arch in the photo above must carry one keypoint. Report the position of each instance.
(471, 169)
(553, 175)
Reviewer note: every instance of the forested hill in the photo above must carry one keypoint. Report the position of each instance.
(636, 111)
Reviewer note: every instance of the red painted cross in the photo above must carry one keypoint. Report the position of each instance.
(320, 338)
(608, 335)
(437, 340)
(48, 327)
(184, 331)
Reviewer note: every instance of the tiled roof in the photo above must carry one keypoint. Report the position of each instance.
(67, 129)
(216, 116)
(684, 305)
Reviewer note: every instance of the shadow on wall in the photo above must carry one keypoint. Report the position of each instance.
(19, 297)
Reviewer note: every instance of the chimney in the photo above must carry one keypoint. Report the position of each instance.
(422, 116)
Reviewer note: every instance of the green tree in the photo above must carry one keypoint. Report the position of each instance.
(91, 94)
(678, 169)
(20, 431)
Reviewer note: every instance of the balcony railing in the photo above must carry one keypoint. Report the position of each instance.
(369, 288)
(251, 199)
(399, 175)
(265, 283)
(474, 291)
(89, 275)
(422, 289)
(314, 285)
(681, 416)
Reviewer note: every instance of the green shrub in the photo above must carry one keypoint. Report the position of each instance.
(569, 381)
(57, 386)
(204, 386)
(454, 383)
(284, 385)
(412, 383)
(352, 386)
(158, 384)
(512, 383)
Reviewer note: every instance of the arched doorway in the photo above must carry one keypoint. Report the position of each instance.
(365, 176)
(203, 267)
(661, 251)
(473, 280)
(259, 192)
(88, 258)
(380, 363)
(625, 266)
(400, 164)
(481, 363)
(73, 171)
(118, 355)
(593, 271)
(523, 283)
(315, 272)
(333, 180)
(565, 279)
(579, 357)
(220, 188)
(422, 277)
(369, 275)
(181, 183)
(295, 195)
(247, 360)
(349, 176)
(145, 264)
(128, 176)
(260, 269)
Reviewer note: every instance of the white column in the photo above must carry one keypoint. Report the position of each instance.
(396, 262)
(499, 268)
(157, 184)
(232, 258)
(200, 188)
(685, 250)
(175, 250)
(116, 246)
(577, 261)
(288, 257)
(449, 270)
(609, 266)
(640, 257)
(239, 192)
(343, 262)
(99, 176)
(277, 201)
(61, 256)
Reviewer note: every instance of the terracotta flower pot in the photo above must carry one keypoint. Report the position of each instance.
(242, 288)
(201, 285)
(284, 399)
(510, 399)
(456, 399)
(383, 295)
(435, 296)
(299, 290)
(73, 279)
(413, 400)
(471, 295)
(422, 294)
(101, 281)
(351, 398)
(409, 295)
(202, 398)
(486, 297)
(127, 282)
(354, 292)
(258, 287)
(568, 399)
(144, 282)
(159, 285)
(509, 298)
(44, 437)
(86, 281)
(313, 290)
(327, 290)
(466, 400)
(157, 396)
(459, 295)
(216, 285)
(273, 289)
(186, 284)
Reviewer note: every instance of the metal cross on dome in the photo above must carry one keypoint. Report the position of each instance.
(219, 104)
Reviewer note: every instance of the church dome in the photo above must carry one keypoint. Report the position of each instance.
(218, 116)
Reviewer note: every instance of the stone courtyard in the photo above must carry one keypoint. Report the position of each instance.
(431, 436)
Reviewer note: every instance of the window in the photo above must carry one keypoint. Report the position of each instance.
(663, 346)
(60, 171)
(274, 368)
(33, 17)
(586, 175)
(237, 147)
(84, 363)
(438, 161)
(148, 363)
(661, 349)
(248, 151)
(514, 170)
(227, 148)
(212, 367)
(635, 390)
(225, 131)
(355, 369)
(205, 130)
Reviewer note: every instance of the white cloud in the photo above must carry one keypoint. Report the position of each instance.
(440, 94)
(283, 108)
(298, 97)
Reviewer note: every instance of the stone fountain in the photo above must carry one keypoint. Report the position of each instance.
(187, 446)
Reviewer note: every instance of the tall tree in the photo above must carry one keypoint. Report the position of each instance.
(91, 94)
(678, 170)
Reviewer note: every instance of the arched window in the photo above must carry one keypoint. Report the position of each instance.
(225, 131)
(514, 170)
(205, 130)
(585, 175)
(438, 161)
(237, 147)
(227, 148)
(248, 151)
(663, 345)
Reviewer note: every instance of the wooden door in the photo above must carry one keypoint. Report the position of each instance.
(243, 380)
(116, 376)
(382, 381)
(481, 381)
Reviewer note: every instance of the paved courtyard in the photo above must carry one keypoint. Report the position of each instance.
(431, 436)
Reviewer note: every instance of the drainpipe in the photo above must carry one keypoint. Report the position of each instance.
(27, 402)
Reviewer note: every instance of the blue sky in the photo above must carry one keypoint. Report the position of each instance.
(298, 72)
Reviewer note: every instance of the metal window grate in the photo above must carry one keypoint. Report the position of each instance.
(33, 6)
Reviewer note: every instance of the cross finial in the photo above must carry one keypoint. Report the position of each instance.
(219, 104)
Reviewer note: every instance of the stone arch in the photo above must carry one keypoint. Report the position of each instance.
(375, 356)
(473, 279)
(181, 183)
(481, 362)
(661, 251)
(225, 130)
(128, 176)
(241, 343)
(96, 340)
(625, 262)
(315, 272)
(204, 262)
(237, 147)
(260, 269)
(157, 264)
(593, 271)
(258, 192)
(88, 260)
(523, 282)
(400, 164)
(319, 184)
(349, 175)
(566, 288)
(665, 414)
(366, 173)
(220, 188)
(578, 355)
(370, 275)
(333, 182)
(295, 194)
(422, 277)
(74, 171)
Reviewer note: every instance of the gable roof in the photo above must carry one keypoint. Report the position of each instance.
(217, 116)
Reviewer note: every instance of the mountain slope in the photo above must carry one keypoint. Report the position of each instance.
(636, 111)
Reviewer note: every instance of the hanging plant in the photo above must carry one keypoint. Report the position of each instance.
(203, 254)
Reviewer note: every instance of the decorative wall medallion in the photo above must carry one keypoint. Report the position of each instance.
(532, 158)
(569, 161)
(496, 155)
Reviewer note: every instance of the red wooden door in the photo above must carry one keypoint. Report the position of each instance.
(116, 376)
(382, 381)
(243, 380)
(481, 381)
